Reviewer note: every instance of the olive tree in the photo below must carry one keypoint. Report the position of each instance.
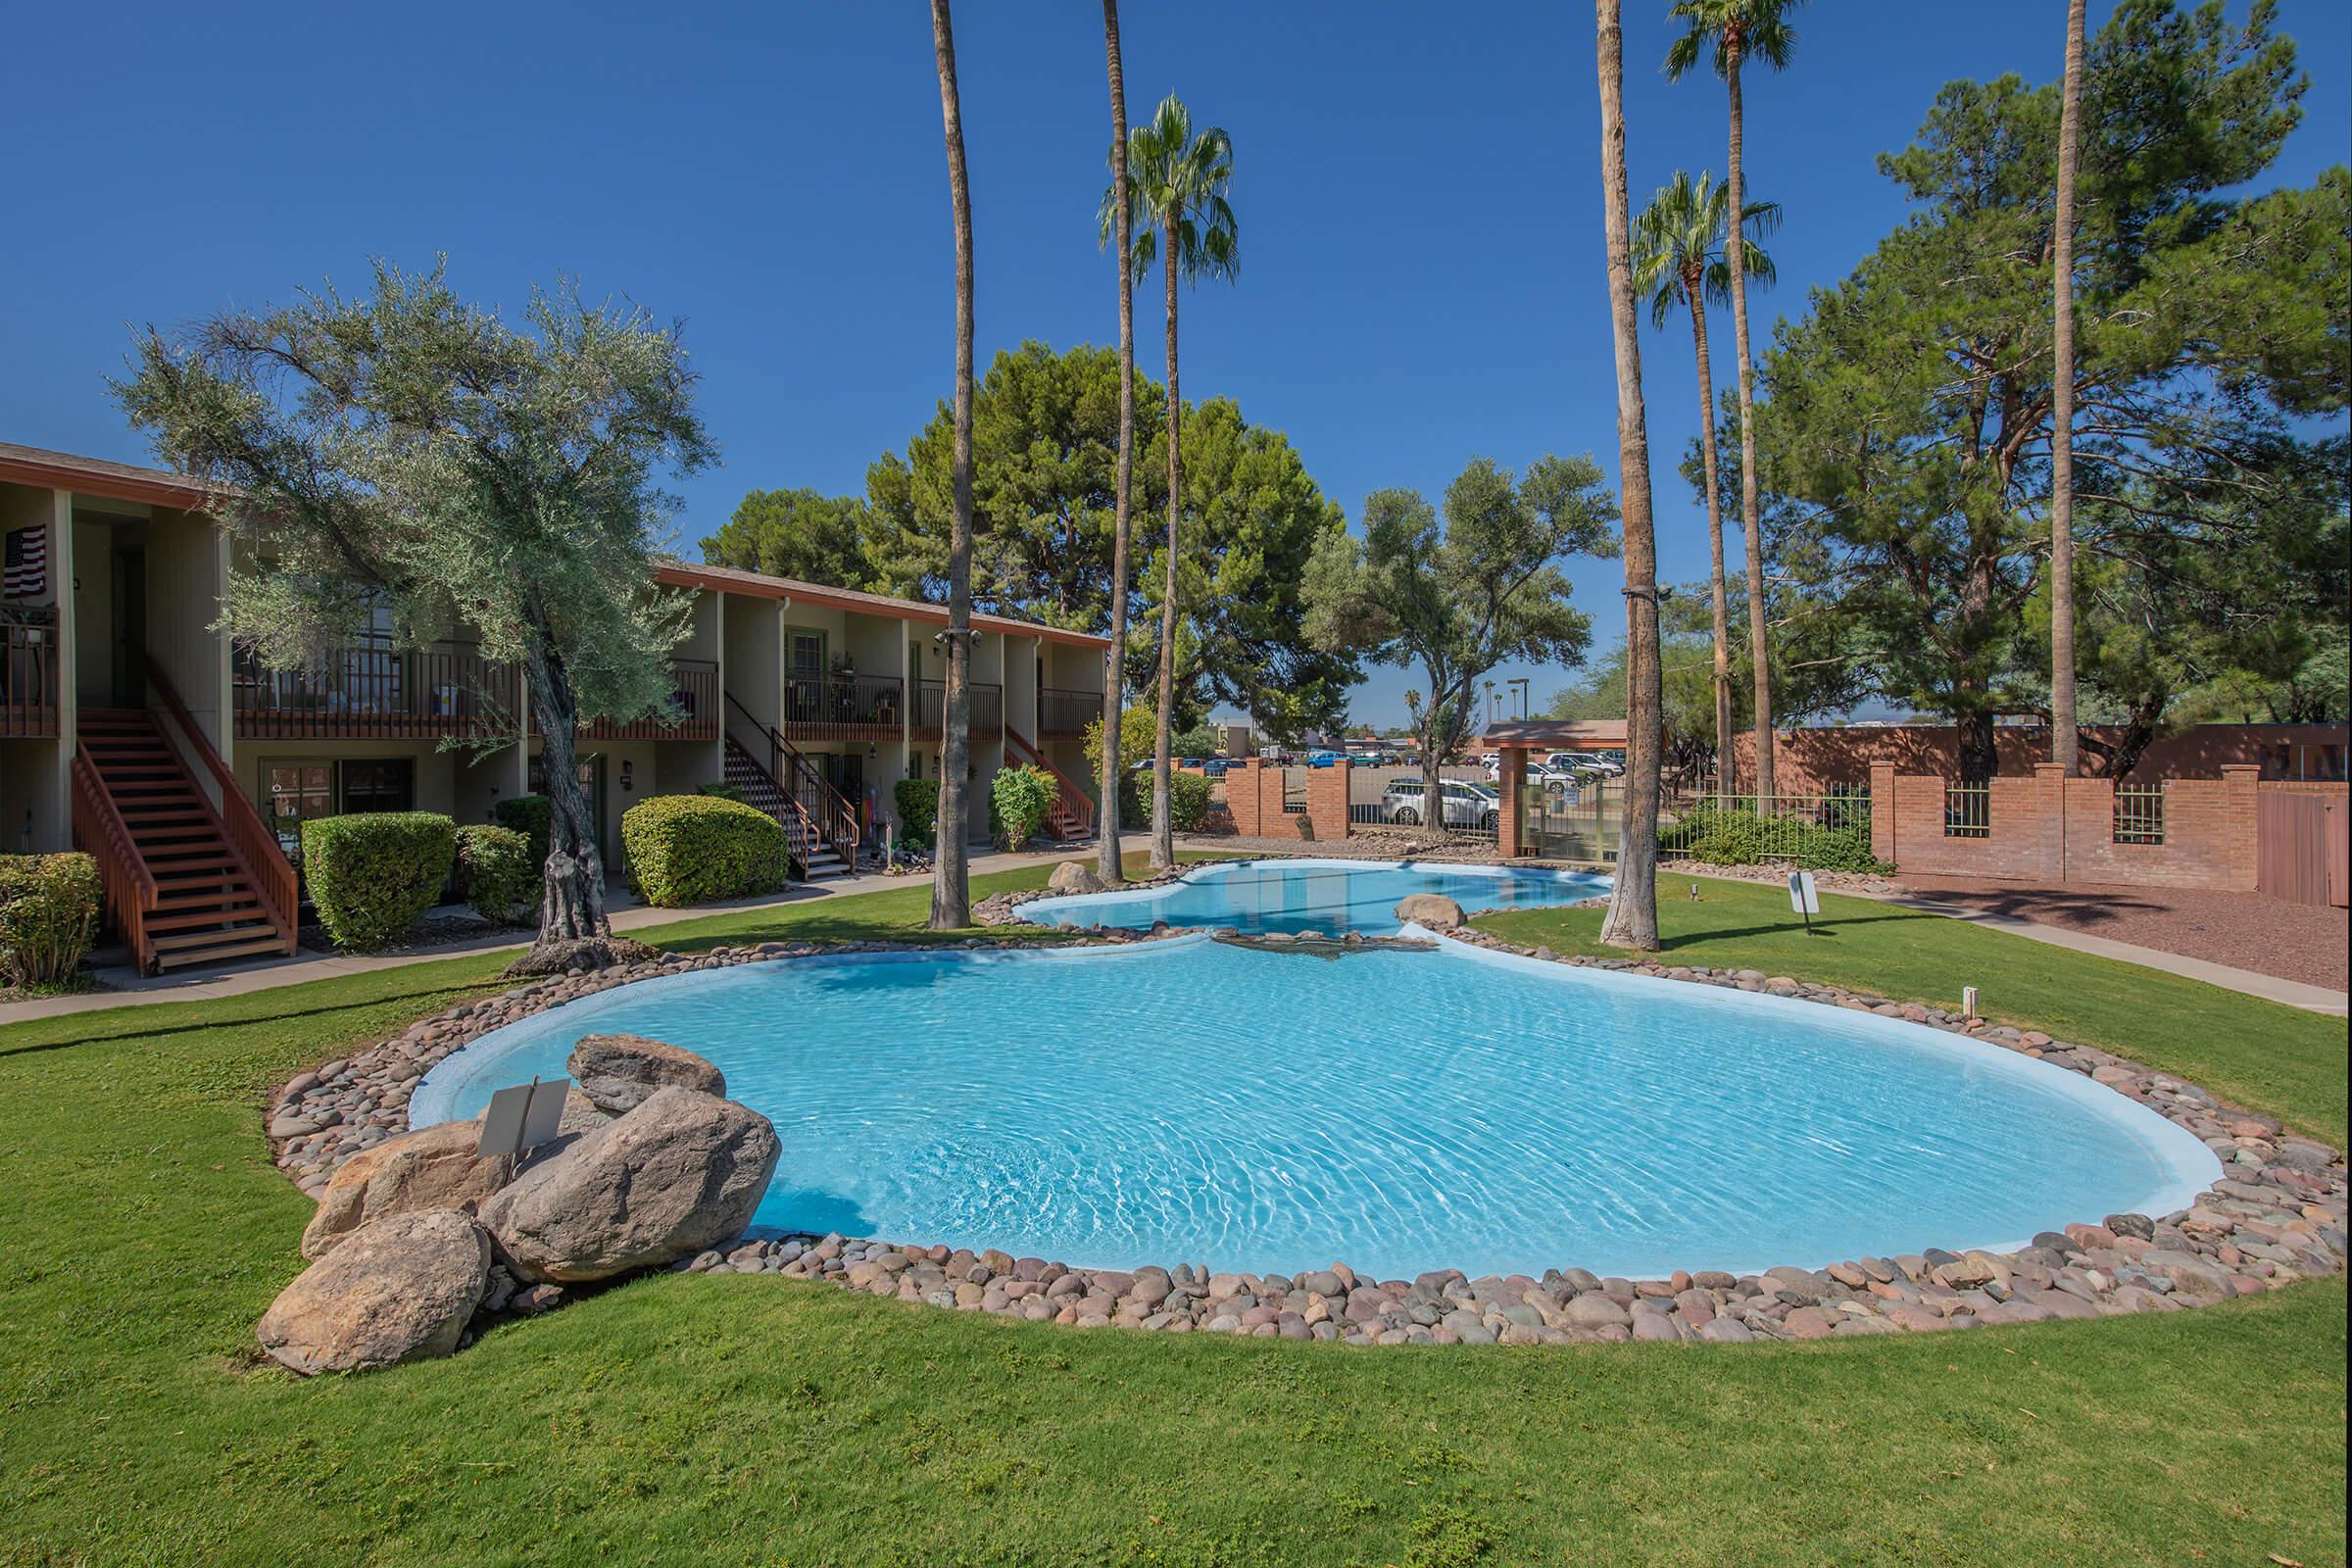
(403, 452)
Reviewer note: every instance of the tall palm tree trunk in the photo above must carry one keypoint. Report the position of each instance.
(951, 889)
(1163, 825)
(2065, 741)
(1757, 648)
(1632, 918)
(1695, 289)
(1107, 860)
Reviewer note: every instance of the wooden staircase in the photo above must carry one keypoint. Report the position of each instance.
(200, 900)
(1071, 815)
(762, 791)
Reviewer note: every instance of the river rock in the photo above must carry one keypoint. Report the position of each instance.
(680, 1173)
(434, 1167)
(616, 1072)
(1435, 910)
(397, 1289)
(1073, 876)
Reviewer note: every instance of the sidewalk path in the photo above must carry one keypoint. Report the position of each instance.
(131, 988)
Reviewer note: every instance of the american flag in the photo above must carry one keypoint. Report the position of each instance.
(27, 562)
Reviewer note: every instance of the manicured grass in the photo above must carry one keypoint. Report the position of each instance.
(2257, 1053)
(755, 1421)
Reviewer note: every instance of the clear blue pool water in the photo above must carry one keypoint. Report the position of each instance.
(1310, 895)
(1189, 1100)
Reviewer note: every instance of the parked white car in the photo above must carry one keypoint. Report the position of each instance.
(1465, 804)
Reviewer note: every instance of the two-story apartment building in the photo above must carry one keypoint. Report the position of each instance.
(129, 727)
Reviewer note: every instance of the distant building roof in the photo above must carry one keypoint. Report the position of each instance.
(96, 476)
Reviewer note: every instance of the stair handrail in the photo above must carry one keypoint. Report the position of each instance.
(248, 837)
(130, 889)
(838, 826)
(1073, 795)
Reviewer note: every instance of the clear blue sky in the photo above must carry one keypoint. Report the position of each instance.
(1418, 191)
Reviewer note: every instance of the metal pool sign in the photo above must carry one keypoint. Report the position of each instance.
(523, 1117)
(1803, 897)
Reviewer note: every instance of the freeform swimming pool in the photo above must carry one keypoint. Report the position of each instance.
(1402, 1111)
(1292, 895)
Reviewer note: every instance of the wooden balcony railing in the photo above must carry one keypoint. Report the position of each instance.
(250, 839)
(931, 708)
(371, 690)
(1063, 713)
(29, 673)
(694, 684)
(844, 707)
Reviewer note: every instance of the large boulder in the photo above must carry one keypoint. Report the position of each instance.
(680, 1173)
(398, 1289)
(1074, 876)
(1435, 910)
(434, 1167)
(617, 1072)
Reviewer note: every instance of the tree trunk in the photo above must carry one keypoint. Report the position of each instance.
(1433, 762)
(1749, 521)
(1163, 830)
(571, 899)
(1696, 290)
(1980, 756)
(2065, 737)
(1632, 918)
(951, 890)
(1108, 863)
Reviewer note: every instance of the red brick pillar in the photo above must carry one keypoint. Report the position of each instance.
(1327, 800)
(1882, 811)
(2241, 797)
(1241, 797)
(2044, 840)
(1510, 836)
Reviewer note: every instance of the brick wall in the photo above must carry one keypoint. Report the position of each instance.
(2050, 830)
(1813, 761)
(1327, 801)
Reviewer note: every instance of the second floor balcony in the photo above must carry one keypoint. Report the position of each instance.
(693, 698)
(1063, 713)
(931, 710)
(844, 707)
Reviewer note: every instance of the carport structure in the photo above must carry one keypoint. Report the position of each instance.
(1513, 742)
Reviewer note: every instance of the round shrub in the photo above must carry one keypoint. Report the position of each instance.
(372, 873)
(48, 916)
(723, 792)
(496, 874)
(532, 816)
(918, 801)
(692, 848)
(1019, 797)
(1190, 798)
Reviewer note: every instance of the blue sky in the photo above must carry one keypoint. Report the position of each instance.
(1417, 186)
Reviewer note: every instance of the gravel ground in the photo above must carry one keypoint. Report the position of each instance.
(2292, 941)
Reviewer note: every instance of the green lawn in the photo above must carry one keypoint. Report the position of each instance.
(755, 1421)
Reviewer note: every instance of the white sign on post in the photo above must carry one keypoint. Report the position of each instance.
(1803, 897)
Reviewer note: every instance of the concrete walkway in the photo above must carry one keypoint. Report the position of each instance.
(131, 988)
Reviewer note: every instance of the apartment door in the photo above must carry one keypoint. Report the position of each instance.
(380, 784)
(129, 609)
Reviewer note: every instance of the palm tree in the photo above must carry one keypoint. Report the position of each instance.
(2064, 747)
(1632, 918)
(1177, 180)
(1108, 861)
(1731, 31)
(1679, 259)
(951, 887)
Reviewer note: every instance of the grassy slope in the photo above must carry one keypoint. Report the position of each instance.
(752, 1421)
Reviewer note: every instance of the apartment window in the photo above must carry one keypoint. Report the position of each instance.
(380, 785)
(298, 792)
(807, 653)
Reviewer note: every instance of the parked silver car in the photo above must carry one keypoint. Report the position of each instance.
(1465, 804)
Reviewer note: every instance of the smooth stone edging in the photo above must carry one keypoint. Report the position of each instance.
(2276, 1215)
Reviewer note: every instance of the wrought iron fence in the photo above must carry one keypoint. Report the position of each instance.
(2138, 813)
(1741, 829)
(1967, 810)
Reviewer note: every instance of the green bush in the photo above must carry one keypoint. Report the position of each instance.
(1837, 841)
(722, 792)
(1018, 799)
(48, 916)
(372, 873)
(532, 816)
(1189, 796)
(496, 873)
(693, 849)
(919, 811)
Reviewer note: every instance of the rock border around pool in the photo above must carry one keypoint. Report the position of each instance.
(2276, 1215)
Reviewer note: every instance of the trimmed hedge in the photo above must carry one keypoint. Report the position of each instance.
(1735, 837)
(532, 816)
(917, 799)
(1190, 798)
(372, 873)
(48, 916)
(692, 848)
(1018, 799)
(496, 874)
(724, 792)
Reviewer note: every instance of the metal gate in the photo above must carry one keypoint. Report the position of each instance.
(2302, 847)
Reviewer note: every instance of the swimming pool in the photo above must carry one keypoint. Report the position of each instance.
(1314, 895)
(1191, 1100)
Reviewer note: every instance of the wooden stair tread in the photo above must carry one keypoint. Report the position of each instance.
(183, 959)
(222, 914)
(187, 941)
